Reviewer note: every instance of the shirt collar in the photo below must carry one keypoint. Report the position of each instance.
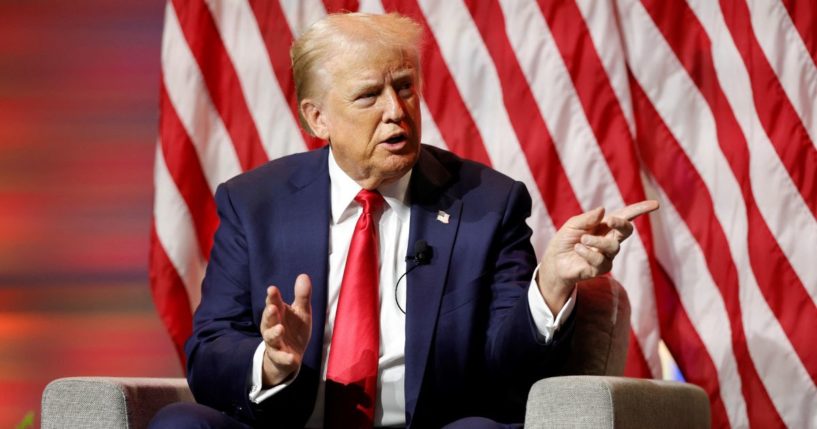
(344, 189)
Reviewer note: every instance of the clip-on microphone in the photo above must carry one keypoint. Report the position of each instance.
(422, 256)
(422, 253)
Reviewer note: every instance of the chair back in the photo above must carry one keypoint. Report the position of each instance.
(602, 329)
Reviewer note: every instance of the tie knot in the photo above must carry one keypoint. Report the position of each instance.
(371, 201)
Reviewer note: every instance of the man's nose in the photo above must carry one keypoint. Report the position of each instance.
(393, 110)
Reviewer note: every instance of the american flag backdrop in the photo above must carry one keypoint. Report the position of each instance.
(705, 105)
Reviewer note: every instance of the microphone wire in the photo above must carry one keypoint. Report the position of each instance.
(397, 285)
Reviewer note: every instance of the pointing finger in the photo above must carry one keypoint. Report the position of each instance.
(635, 210)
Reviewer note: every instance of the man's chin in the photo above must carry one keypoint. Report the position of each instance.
(396, 165)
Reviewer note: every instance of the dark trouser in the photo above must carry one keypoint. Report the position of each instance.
(194, 416)
(183, 415)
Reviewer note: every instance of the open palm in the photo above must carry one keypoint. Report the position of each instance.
(286, 330)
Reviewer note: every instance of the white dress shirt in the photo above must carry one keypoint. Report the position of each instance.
(393, 231)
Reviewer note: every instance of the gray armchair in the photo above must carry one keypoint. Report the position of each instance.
(590, 393)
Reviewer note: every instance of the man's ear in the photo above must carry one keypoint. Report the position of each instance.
(315, 118)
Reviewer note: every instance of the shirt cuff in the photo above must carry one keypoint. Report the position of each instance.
(257, 392)
(546, 324)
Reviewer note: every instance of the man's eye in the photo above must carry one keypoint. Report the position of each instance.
(367, 95)
(405, 90)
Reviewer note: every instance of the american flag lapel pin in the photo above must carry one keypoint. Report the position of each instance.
(443, 217)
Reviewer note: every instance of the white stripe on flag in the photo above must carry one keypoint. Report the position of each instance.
(431, 135)
(778, 199)
(300, 14)
(371, 6)
(789, 58)
(279, 132)
(174, 229)
(601, 21)
(189, 96)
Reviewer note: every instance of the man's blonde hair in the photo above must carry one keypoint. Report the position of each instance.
(341, 31)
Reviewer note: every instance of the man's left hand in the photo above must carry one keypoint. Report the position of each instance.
(583, 248)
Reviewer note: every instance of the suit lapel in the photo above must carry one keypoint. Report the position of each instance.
(435, 217)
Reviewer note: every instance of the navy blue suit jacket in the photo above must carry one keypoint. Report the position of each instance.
(471, 345)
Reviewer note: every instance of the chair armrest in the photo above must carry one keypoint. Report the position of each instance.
(620, 402)
(109, 402)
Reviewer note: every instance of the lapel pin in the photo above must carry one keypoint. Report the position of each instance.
(443, 217)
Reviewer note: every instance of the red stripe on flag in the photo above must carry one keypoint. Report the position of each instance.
(527, 121)
(677, 176)
(784, 292)
(452, 117)
(779, 119)
(686, 346)
(185, 169)
(791, 305)
(221, 79)
(335, 6)
(804, 16)
(277, 39)
(169, 296)
(636, 365)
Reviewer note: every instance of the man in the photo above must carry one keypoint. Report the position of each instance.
(354, 333)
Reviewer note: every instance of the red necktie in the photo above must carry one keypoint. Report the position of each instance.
(351, 377)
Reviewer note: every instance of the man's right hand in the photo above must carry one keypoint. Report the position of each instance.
(286, 330)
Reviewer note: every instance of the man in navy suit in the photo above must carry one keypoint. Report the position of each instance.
(467, 324)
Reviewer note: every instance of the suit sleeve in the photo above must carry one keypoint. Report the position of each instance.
(515, 355)
(220, 351)
(226, 334)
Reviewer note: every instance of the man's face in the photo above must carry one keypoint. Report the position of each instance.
(370, 113)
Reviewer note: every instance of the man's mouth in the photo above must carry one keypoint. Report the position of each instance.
(397, 138)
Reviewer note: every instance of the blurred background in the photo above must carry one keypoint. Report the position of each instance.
(78, 126)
